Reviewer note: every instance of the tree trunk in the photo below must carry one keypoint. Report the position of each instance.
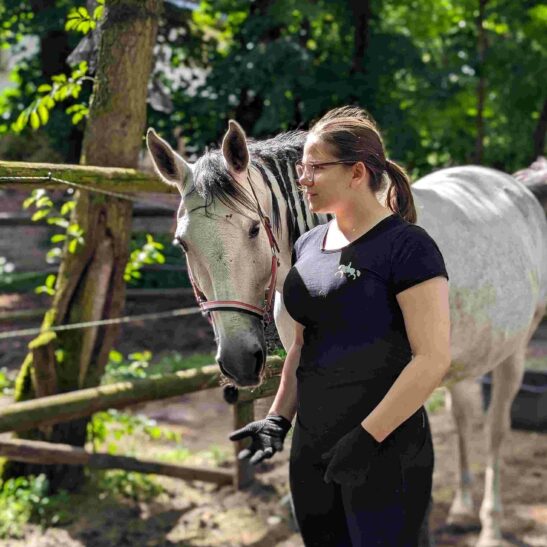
(361, 13)
(90, 283)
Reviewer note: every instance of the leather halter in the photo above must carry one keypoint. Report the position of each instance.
(264, 313)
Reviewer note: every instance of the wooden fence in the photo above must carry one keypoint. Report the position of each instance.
(45, 411)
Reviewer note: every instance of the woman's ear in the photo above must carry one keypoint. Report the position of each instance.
(360, 172)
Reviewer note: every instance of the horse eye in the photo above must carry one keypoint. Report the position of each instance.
(254, 231)
(179, 243)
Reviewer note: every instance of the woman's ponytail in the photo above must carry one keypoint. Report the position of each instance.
(399, 197)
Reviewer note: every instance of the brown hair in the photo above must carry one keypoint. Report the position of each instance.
(353, 135)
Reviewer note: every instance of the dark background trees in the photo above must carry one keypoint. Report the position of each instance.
(448, 82)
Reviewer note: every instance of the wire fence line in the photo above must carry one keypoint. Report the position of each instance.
(21, 333)
(50, 178)
(179, 312)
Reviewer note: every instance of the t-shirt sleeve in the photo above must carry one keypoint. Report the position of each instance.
(415, 258)
(296, 250)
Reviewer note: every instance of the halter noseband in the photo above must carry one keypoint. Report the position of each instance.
(207, 306)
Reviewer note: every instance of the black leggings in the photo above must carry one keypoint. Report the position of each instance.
(389, 509)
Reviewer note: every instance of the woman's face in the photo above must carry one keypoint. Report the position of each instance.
(329, 188)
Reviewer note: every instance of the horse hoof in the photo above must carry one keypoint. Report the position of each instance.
(490, 539)
(464, 520)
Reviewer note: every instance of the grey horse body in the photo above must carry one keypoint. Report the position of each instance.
(492, 233)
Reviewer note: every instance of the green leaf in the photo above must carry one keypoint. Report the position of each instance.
(61, 222)
(39, 215)
(115, 356)
(72, 246)
(50, 281)
(44, 201)
(34, 120)
(44, 88)
(67, 207)
(43, 113)
(28, 202)
(98, 12)
(57, 238)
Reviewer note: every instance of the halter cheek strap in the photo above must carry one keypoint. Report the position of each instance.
(264, 313)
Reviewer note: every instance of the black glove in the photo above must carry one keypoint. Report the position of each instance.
(350, 457)
(267, 437)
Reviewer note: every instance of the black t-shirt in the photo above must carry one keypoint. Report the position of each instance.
(355, 342)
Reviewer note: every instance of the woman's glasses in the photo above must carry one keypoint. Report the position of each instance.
(307, 170)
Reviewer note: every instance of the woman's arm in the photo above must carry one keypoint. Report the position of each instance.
(426, 313)
(285, 400)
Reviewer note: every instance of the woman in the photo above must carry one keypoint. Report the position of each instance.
(369, 294)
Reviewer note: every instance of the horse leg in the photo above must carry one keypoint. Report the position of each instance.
(462, 511)
(506, 380)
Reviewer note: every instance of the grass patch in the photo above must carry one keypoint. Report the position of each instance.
(435, 401)
(7, 381)
(140, 365)
(129, 485)
(26, 499)
(214, 456)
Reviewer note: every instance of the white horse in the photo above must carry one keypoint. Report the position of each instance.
(490, 228)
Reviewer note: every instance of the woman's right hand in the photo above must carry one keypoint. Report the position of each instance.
(266, 435)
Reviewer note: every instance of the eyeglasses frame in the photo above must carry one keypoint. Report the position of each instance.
(321, 164)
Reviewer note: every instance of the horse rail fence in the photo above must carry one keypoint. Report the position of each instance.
(43, 412)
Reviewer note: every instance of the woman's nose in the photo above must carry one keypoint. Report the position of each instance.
(304, 180)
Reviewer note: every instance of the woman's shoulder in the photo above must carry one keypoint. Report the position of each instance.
(407, 232)
(311, 234)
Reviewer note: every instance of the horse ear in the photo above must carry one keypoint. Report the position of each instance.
(172, 169)
(234, 148)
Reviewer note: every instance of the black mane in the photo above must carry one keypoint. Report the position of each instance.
(212, 180)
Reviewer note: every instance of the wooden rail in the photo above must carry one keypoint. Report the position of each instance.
(114, 179)
(52, 409)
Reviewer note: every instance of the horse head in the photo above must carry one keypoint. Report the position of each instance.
(231, 257)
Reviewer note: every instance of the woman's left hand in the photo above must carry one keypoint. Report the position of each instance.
(350, 457)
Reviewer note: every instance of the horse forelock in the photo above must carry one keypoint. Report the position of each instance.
(211, 179)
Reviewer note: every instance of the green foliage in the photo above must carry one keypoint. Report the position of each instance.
(25, 499)
(71, 238)
(108, 429)
(128, 485)
(119, 370)
(279, 352)
(49, 95)
(7, 382)
(139, 365)
(80, 20)
(214, 456)
(149, 253)
(435, 401)
(279, 65)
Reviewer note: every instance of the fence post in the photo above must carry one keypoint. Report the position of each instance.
(244, 472)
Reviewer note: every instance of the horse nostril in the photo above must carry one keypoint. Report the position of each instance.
(223, 370)
(259, 356)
